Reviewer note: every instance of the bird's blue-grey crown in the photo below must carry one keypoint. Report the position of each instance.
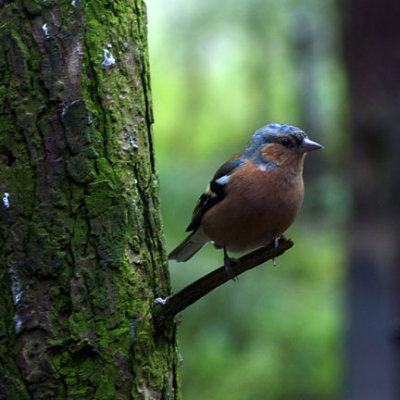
(266, 135)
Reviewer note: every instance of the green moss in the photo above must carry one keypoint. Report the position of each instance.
(3, 92)
(81, 168)
(34, 6)
(105, 391)
(106, 171)
(101, 196)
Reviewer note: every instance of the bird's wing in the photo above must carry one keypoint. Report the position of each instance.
(215, 191)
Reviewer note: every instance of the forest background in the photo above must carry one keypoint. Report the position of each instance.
(219, 71)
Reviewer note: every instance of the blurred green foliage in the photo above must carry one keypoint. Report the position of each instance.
(221, 70)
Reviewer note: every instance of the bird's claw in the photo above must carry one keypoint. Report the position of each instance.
(229, 263)
(276, 244)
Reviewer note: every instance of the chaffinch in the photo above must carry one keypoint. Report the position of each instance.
(252, 198)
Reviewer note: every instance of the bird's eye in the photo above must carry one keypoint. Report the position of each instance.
(285, 142)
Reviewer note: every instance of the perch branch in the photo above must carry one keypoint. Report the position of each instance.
(176, 302)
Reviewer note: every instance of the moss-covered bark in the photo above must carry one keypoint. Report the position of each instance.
(81, 248)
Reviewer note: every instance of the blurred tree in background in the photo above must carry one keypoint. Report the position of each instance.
(372, 38)
(221, 70)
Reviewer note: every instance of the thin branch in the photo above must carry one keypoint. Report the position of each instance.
(176, 302)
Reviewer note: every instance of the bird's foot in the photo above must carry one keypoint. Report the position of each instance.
(276, 243)
(229, 264)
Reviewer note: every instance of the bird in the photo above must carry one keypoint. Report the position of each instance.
(253, 198)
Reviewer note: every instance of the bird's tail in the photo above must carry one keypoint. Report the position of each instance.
(189, 247)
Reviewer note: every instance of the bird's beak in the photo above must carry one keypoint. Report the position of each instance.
(309, 145)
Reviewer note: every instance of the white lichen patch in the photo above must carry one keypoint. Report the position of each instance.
(45, 30)
(6, 200)
(108, 59)
(132, 142)
(135, 206)
(65, 109)
(16, 286)
(18, 323)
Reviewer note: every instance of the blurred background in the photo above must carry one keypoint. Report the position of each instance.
(317, 326)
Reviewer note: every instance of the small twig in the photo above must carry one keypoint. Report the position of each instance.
(176, 302)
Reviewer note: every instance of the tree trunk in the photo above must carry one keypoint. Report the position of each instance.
(372, 35)
(81, 248)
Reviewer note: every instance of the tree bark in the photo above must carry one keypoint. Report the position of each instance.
(371, 37)
(81, 249)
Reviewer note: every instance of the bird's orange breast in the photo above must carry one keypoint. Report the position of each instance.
(259, 206)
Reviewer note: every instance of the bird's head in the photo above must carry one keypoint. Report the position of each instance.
(280, 145)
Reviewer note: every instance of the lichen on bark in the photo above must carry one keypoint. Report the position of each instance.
(81, 249)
